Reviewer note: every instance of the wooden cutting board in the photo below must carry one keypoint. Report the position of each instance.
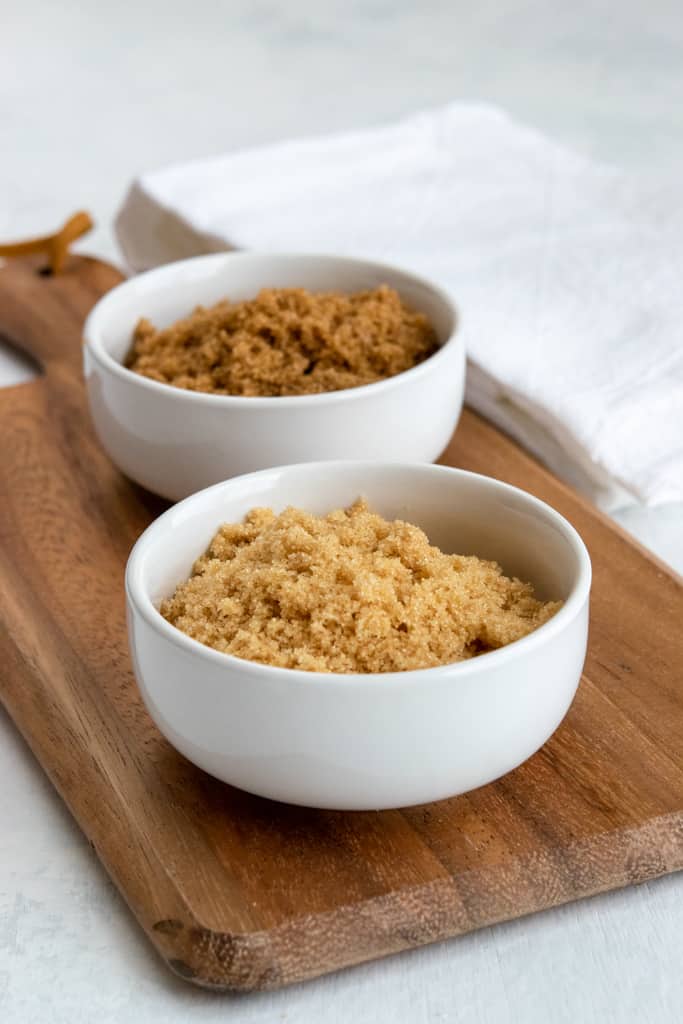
(237, 892)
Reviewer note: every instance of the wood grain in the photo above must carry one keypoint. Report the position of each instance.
(241, 893)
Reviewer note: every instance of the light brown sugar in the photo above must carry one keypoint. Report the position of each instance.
(347, 592)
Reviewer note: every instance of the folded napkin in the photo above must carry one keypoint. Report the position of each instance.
(567, 274)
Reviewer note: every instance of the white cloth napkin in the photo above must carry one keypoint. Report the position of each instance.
(568, 275)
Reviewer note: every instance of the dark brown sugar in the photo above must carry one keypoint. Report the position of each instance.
(286, 341)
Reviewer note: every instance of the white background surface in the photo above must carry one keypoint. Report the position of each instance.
(89, 96)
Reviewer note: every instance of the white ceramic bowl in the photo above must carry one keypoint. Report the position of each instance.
(356, 742)
(175, 442)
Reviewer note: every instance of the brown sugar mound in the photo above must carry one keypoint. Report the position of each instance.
(347, 592)
(286, 341)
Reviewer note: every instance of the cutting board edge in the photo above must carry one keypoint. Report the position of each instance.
(259, 960)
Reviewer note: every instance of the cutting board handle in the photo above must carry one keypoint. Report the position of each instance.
(41, 304)
(54, 246)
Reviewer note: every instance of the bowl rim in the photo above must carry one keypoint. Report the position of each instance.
(139, 599)
(101, 310)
